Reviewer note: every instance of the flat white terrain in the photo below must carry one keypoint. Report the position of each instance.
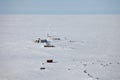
(89, 48)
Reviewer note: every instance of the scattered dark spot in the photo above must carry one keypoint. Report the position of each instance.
(42, 68)
(92, 63)
(106, 64)
(118, 63)
(69, 69)
(101, 64)
(43, 63)
(85, 65)
(97, 78)
(110, 63)
(85, 71)
(90, 75)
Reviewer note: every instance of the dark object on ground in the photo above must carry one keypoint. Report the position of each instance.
(56, 38)
(107, 65)
(110, 63)
(85, 65)
(49, 46)
(43, 63)
(42, 68)
(50, 61)
(97, 78)
(69, 69)
(90, 75)
(37, 41)
(85, 71)
(92, 63)
(118, 63)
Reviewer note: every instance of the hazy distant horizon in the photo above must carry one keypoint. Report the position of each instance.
(59, 7)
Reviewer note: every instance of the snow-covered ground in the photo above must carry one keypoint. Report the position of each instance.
(89, 48)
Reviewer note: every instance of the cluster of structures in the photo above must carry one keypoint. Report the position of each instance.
(47, 41)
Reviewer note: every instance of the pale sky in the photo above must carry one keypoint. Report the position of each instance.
(59, 6)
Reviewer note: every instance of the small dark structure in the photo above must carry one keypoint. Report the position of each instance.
(50, 61)
(56, 38)
(44, 41)
(85, 71)
(41, 41)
